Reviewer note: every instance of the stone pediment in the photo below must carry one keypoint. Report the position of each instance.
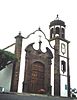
(31, 51)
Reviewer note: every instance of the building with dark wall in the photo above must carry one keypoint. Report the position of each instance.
(37, 74)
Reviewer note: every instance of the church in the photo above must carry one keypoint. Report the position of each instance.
(38, 65)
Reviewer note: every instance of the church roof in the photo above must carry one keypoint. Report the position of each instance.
(57, 22)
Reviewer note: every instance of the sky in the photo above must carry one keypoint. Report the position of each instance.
(26, 16)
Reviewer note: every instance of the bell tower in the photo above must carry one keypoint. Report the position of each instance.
(61, 58)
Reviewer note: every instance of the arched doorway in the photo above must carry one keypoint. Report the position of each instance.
(37, 77)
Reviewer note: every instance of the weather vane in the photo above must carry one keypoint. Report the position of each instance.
(57, 18)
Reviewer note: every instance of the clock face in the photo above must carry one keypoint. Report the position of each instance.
(63, 48)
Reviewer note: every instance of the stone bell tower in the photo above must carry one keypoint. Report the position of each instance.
(61, 58)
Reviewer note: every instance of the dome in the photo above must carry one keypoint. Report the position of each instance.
(57, 22)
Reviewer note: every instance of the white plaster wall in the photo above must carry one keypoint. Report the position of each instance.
(5, 77)
(63, 91)
(63, 76)
(65, 55)
(52, 68)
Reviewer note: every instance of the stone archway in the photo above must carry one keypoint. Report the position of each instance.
(37, 77)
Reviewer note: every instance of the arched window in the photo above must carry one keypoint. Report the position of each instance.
(63, 33)
(63, 66)
(62, 30)
(57, 30)
(51, 32)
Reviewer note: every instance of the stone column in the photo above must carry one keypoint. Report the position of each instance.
(56, 69)
(68, 70)
(16, 65)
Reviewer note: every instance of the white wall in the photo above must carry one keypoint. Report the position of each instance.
(52, 68)
(64, 89)
(5, 77)
(63, 76)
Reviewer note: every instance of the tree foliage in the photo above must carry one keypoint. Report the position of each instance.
(6, 58)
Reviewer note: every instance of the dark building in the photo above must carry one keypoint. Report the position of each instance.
(37, 70)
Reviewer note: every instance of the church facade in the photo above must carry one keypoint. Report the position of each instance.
(38, 65)
(37, 70)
